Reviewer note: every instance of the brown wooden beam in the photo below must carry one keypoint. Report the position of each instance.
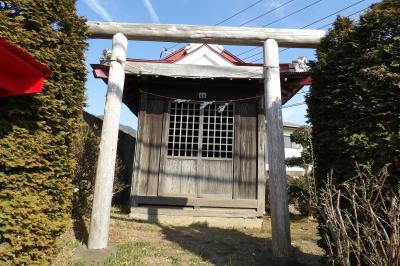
(198, 202)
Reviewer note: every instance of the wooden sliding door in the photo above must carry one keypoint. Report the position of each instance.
(198, 156)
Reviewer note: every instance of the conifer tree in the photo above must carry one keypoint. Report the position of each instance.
(37, 132)
(354, 102)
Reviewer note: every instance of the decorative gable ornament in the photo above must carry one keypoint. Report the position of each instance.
(106, 58)
(300, 64)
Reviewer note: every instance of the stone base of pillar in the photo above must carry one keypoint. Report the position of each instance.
(93, 256)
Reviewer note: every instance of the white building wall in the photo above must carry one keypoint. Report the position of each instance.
(204, 56)
(292, 152)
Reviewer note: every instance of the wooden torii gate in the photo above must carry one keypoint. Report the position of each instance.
(266, 37)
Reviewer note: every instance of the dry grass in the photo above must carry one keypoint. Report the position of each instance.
(65, 247)
(150, 244)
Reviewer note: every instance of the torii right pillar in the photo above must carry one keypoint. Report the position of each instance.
(281, 243)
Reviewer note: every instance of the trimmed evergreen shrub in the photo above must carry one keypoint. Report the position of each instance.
(354, 108)
(37, 132)
(354, 102)
(87, 154)
(85, 175)
(301, 189)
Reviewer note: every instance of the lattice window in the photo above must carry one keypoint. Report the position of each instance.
(200, 132)
(184, 125)
(217, 127)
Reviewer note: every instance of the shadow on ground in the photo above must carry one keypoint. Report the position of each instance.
(229, 246)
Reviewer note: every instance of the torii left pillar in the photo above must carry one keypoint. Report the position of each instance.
(100, 220)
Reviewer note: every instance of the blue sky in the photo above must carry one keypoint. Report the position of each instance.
(205, 12)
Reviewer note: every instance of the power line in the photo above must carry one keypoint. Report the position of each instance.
(352, 14)
(248, 57)
(240, 12)
(298, 103)
(273, 9)
(284, 17)
(265, 13)
(256, 59)
(312, 23)
(332, 14)
(258, 54)
(293, 105)
(329, 24)
(243, 10)
(291, 14)
(295, 12)
(262, 52)
(245, 52)
(224, 20)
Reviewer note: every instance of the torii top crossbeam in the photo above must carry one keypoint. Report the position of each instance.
(292, 38)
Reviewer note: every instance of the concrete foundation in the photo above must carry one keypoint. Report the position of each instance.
(93, 256)
(218, 222)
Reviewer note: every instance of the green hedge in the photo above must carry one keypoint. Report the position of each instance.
(37, 132)
(87, 155)
(354, 102)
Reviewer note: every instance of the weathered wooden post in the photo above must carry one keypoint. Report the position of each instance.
(281, 245)
(100, 220)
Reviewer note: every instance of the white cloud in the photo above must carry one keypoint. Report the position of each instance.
(274, 4)
(152, 12)
(96, 7)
